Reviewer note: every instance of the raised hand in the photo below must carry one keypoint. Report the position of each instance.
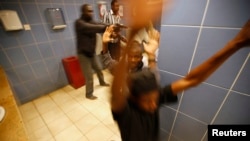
(107, 35)
(153, 43)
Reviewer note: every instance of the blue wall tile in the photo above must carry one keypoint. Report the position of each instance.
(71, 27)
(33, 87)
(52, 64)
(8, 39)
(16, 56)
(32, 53)
(25, 37)
(58, 49)
(43, 1)
(196, 102)
(69, 47)
(46, 50)
(46, 84)
(20, 91)
(188, 129)
(167, 117)
(177, 40)
(185, 12)
(39, 69)
(79, 1)
(67, 32)
(12, 77)
(243, 82)
(53, 34)
(235, 110)
(39, 33)
(4, 61)
(24, 72)
(163, 135)
(71, 12)
(229, 13)
(31, 13)
(56, 1)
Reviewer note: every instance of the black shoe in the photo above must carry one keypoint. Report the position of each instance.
(105, 84)
(91, 97)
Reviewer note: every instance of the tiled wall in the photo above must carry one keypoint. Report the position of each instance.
(191, 32)
(32, 59)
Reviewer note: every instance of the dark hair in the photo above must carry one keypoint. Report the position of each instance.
(135, 44)
(84, 8)
(113, 2)
(142, 82)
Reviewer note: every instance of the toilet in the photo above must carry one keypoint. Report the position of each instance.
(2, 113)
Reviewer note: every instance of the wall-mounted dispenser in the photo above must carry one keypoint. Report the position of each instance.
(10, 20)
(56, 18)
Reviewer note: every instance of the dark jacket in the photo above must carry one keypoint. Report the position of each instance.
(86, 35)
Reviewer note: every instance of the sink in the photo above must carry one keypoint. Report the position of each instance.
(2, 113)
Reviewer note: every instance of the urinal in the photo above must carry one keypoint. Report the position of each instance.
(2, 113)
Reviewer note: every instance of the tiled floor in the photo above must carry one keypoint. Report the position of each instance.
(66, 115)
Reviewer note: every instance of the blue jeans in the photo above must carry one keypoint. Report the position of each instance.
(88, 64)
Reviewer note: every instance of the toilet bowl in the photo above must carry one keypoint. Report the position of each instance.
(2, 113)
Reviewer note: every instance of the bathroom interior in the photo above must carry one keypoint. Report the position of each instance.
(37, 102)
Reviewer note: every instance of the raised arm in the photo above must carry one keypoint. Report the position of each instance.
(118, 90)
(86, 27)
(107, 60)
(204, 70)
(151, 46)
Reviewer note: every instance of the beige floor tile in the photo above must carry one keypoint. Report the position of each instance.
(99, 133)
(42, 134)
(52, 114)
(69, 134)
(60, 97)
(28, 111)
(83, 138)
(44, 103)
(103, 93)
(111, 124)
(35, 124)
(87, 123)
(57, 92)
(68, 89)
(91, 105)
(59, 124)
(77, 113)
(102, 111)
(77, 94)
(69, 105)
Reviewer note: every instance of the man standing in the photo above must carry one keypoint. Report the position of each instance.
(113, 17)
(86, 29)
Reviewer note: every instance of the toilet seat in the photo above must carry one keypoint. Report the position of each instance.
(2, 113)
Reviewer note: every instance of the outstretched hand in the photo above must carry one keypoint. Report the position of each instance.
(153, 44)
(106, 37)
